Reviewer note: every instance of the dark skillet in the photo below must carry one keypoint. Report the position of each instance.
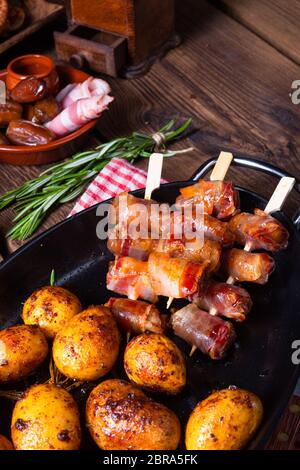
(261, 358)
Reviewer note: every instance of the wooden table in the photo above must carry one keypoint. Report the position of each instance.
(233, 75)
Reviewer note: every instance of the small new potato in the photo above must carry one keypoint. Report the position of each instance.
(23, 348)
(154, 362)
(46, 418)
(226, 420)
(5, 444)
(50, 308)
(122, 417)
(88, 346)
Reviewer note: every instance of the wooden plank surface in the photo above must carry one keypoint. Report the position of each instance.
(234, 85)
(276, 21)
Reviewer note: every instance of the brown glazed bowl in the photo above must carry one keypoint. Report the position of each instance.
(59, 148)
(40, 66)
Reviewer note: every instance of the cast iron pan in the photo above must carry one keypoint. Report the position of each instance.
(261, 358)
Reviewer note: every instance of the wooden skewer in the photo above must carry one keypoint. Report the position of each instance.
(218, 174)
(153, 182)
(154, 174)
(194, 349)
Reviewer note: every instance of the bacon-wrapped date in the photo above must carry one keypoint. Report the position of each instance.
(175, 277)
(128, 204)
(219, 198)
(212, 335)
(247, 267)
(165, 226)
(199, 251)
(260, 231)
(136, 248)
(228, 300)
(128, 276)
(202, 251)
(136, 316)
(212, 228)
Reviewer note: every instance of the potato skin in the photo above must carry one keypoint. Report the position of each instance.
(46, 418)
(226, 420)
(23, 348)
(153, 362)
(5, 444)
(88, 346)
(122, 417)
(51, 308)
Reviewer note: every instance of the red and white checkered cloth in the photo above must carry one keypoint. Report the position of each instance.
(117, 176)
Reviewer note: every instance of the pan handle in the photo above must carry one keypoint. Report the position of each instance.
(253, 164)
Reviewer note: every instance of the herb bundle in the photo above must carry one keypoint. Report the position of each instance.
(67, 180)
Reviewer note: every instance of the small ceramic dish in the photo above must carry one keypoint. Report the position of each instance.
(40, 66)
(59, 148)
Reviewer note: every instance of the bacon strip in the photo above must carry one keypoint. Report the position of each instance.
(87, 89)
(175, 277)
(78, 114)
(219, 198)
(259, 230)
(128, 276)
(247, 267)
(229, 301)
(212, 228)
(212, 335)
(136, 316)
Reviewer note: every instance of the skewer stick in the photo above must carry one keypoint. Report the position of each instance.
(218, 174)
(154, 173)
(194, 349)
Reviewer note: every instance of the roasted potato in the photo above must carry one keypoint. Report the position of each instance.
(121, 417)
(154, 362)
(46, 418)
(226, 420)
(23, 348)
(88, 346)
(51, 308)
(5, 444)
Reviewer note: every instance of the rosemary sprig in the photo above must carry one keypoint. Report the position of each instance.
(67, 180)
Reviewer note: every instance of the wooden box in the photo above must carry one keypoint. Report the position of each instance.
(145, 28)
(147, 24)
